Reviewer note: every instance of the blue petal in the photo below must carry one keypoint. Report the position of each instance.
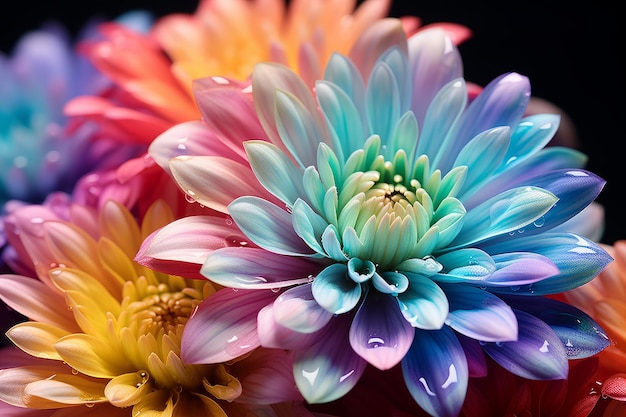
(547, 160)
(435, 372)
(537, 354)
(379, 333)
(332, 245)
(274, 170)
(267, 225)
(501, 103)
(330, 368)
(504, 213)
(578, 259)
(479, 314)
(342, 72)
(423, 304)
(334, 291)
(579, 333)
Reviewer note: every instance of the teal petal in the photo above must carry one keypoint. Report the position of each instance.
(297, 128)
(396, 59)
(341, 72)
(505, 213)
(313, 188)
(426, 266)
(404, 136)
(465, 265)
(423, 304)
(332, 245)
(383, 101)
(360, 271)
(392, 283)
(308, 225)
(479, 314)
(274, 170)
(444, 110)
(267, 225)
(334, 291)
(342, 118)
(530, 136)
(483, 154)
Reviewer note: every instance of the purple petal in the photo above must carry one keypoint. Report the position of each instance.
(436, 373)
(579, 333)
(521, 268)
(537, 354)
(479, 314)
(476, 361)
(379, 333)
(328, 369)
(274, 335)
(297, 309)
(241, 267)
(224, 326)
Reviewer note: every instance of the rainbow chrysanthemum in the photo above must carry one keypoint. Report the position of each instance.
(386, 219)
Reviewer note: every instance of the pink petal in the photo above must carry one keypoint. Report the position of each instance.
(181, 247)
(214, 181)
(224, 326)
(274, 335)
(266, 377)
(193, 138)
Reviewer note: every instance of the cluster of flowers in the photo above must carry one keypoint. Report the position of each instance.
(305, 210)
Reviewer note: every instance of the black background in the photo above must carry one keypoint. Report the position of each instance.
(571, 53)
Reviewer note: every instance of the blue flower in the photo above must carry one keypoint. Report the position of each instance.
(405, 225)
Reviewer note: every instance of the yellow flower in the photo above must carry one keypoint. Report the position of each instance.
(105, 332)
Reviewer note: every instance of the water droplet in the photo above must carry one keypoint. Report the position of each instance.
(229, 221)
(36, 220)
(275, 289)
(74, 371)
(375, 341)
(545, 347)
(235, 241)
(540, 221)
(515, 288)
(520, 231)
(89, 405)
(189, 196)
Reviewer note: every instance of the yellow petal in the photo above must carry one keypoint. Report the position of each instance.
(156, 404)
(37, 339)
(128, 389)
(198, 405)
(227, 387)
(84, 289)
(92, 356)
(118, 225)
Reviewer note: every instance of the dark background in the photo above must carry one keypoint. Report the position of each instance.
(570, 53)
